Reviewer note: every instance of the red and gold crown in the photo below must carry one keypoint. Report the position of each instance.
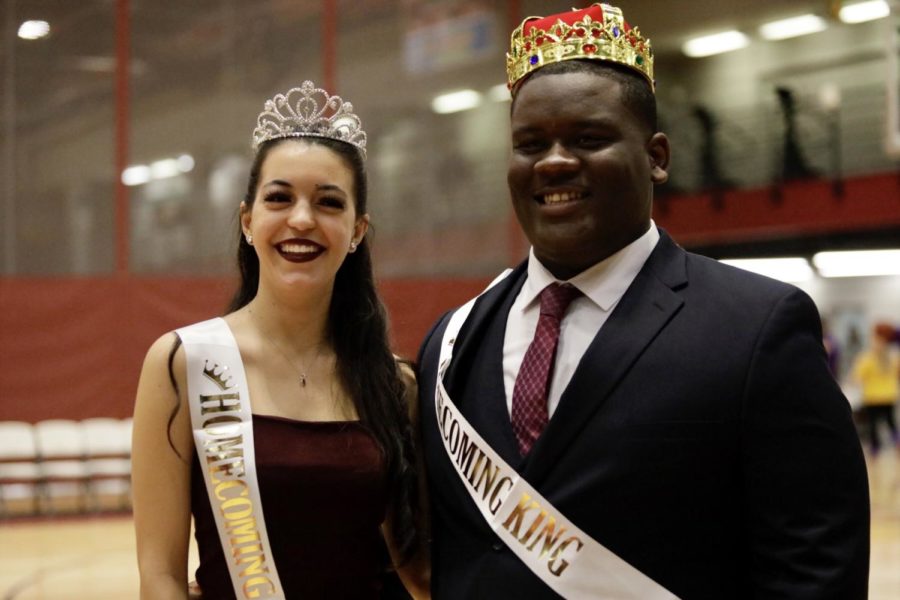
(598, 32)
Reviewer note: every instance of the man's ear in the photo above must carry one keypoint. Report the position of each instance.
(659, 154)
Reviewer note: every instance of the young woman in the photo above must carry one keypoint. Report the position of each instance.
(877, 371)
(333, 465)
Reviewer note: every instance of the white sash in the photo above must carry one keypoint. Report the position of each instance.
(564, 557)
(223, 436)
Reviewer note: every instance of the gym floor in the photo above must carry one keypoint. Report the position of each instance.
(77, 557)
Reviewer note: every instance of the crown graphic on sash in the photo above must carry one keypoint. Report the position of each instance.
(598, 32)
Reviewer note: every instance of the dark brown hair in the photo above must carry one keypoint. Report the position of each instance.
(358, 331)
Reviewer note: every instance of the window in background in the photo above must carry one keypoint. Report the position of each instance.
(57, 132)
(207, 69)
(438, 194)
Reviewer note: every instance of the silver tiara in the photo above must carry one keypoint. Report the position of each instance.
(308, 111)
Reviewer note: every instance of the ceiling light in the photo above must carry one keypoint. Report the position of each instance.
(717, 43)
(790, 270)
(864, 11)
(792, 27)
(136, 175)
(185, 163)
(34, 30)
(859, 263)
(499, 93)
(452, 102)
(161, 169)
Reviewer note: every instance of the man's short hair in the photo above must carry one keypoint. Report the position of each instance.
(636, 92)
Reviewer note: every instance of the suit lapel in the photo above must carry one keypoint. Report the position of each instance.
(644, 310)
(474, 379)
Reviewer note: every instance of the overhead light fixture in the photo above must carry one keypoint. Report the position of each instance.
(160, 169)
(858, 263)
(136, 175)
(792, 27)
(716, 43)
(499, 93)
(34, 30)
(185, 163)
(861, 12)
(788, 269)
(452, 102)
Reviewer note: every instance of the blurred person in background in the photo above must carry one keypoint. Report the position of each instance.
(877, 372)
(832, 349)
(296, 498)
(616, 417)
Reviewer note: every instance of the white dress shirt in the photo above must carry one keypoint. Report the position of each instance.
(602, 286)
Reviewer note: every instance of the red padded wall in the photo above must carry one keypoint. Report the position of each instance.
(73, 348)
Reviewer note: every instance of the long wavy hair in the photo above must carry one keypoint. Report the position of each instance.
(358, 331)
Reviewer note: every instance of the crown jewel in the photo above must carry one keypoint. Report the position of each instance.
(308, 111)
(598, 32)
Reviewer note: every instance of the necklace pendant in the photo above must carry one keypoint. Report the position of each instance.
(303, 380)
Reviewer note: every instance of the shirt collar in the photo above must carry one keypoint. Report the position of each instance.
(605, 282)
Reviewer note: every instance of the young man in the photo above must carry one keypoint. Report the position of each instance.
(617, 418)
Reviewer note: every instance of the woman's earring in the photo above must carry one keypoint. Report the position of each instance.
(353, 246)
(249, 239)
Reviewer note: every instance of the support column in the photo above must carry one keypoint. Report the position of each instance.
(122, 106)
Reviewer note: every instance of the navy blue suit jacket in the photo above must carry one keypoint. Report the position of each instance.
(702, 439)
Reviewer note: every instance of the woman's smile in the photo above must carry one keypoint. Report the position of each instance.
(299, 250)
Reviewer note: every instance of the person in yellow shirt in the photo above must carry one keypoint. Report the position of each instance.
(877, 370)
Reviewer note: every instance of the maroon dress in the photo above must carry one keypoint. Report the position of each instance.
(324, 496)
